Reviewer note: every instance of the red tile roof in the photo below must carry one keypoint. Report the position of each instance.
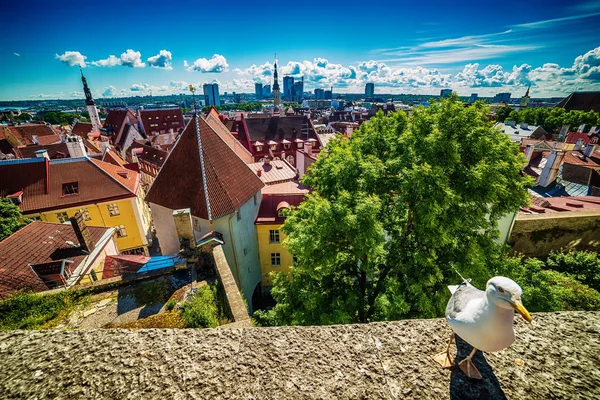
(152, 155)
(49, 139)
(116, 119)
(268, 212)
(82, 129)
(57, 150)
(584, 101)
(42, 182)
(38, 243)
(25, 132)
(122, 264)
(577, 158)
(542, 205)
(127, 178)
(111, 157)
(181, 180)
(572, 137)
(162, 120)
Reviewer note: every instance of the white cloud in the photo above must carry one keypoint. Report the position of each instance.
(161, 60)
(216, 64)
(17, 54)
(132, 59)
(179, 85)
(138, 87)
(109, 91)
(72, 58)
(111, 61)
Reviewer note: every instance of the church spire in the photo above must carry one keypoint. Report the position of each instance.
(91, 106)
(527, 94)
(89, 101)
(276, 100)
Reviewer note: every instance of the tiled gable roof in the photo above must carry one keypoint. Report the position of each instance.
(572, 137)
(181, 180)
(584, 101)
(57, 150)
(25, 132)
(111, 157)
(38, 243)
(274, 128)
(42, 182)
(162, 120)
(153, 155)
(82, 129)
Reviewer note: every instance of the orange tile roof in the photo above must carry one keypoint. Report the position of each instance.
(111, 157)
(25, 132)
(181, 180)
(276, 171)
(129, 179)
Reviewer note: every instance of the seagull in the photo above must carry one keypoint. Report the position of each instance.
(482, 319)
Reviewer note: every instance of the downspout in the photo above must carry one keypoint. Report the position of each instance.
(237, 268)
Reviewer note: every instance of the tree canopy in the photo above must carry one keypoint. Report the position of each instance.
(551, 119)
(11, 219)
(394, 211)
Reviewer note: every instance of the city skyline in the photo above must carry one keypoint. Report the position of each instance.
(470, 48)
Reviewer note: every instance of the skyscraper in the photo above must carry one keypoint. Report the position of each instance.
(91, 106)
(298, 91)
(266, 91)
(288, 82)
(329, 94)
(445, 92)
(211, 94)
(369, 89)
(319, 94)
(258, 90)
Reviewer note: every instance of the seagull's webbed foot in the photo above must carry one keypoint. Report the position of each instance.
(444, 358)
(469, 368)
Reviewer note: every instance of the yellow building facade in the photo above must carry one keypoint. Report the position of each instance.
(274, 257)
(129, 217)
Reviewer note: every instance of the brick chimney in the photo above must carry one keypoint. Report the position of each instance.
(578, 145)
(82, 232)
(589, 150)
(528, 153)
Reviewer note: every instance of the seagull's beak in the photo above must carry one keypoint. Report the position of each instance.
(518, 306)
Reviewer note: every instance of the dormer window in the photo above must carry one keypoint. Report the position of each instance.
(258, 148)
(70, 189)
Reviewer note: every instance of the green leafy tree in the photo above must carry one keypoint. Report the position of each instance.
(23, 117)
(514, 116)
(582, 265)
(11, 219)
(393, 210)
(545, 289)
(527, 115)
(502, 113)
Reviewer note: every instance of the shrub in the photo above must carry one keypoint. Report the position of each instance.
(583, 265)
(171, 304)
(34, 311)
(201, 310)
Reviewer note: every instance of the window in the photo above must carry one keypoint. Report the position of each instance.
(258, 148)
(113, 210)
(238, 214)
(85, 214)
(274, 236)
(197, 226)
(275, 259)
(62, 217)
(121, 232)
(300, 145)
(70, 189)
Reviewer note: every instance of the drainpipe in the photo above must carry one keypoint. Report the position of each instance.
(237, 268)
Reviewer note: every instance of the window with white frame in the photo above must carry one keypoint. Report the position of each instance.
(85, 214)
(62, 217)
(274, 236)
(121, 232)
(113, 210)
(275, 259)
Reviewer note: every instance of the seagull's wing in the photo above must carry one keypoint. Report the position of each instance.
(461, 299)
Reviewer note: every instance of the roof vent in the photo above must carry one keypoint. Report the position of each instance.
(123, 174)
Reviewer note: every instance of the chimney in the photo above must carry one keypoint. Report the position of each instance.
(550, 170)
(308, 145)
(578, 145)
(259, 172)
(524, 125)
(581, 128)
(183, 224)
(82, 233)
(589, 150)
(592, 130)
(75, 147)
(104, 145)
(35, 139)
(528, 153)
(42, 154)
(267, 161)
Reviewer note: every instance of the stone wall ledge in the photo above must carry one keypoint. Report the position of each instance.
(558, 358)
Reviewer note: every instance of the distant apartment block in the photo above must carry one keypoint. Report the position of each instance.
(445, 93)
(501, 98)
(473, 98)
(211, 94)
(369, 89)
(258, 90)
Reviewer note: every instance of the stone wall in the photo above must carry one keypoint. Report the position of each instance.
(232, 294)
(557, 359)
(536, 235)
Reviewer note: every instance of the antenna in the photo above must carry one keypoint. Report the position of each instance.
(461, 277)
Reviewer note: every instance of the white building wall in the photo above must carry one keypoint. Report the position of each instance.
(165, 229)
(241, 247)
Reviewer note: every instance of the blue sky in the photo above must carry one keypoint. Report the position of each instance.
(418, 47)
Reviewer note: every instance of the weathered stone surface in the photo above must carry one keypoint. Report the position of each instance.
(558, 358)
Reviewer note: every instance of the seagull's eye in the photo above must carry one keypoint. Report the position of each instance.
(500, 290)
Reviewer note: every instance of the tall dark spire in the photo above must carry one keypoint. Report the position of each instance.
(276, 100)
(527, 94)
(275, 78)
(88, 94)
